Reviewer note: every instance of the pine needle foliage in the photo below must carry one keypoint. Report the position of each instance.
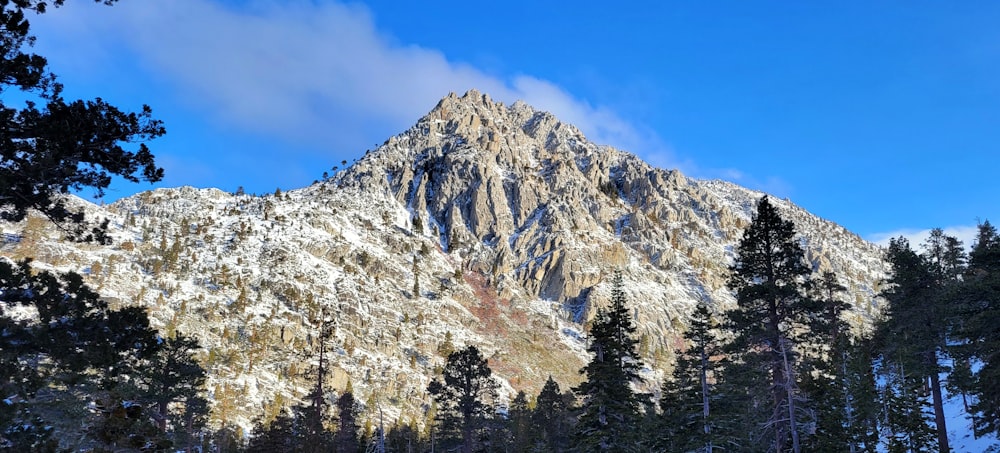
(610, 412)
(688, 395)
(465, 395)
(769, 277)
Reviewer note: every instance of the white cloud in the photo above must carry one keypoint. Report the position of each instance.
(314, 72)
(317, 73)
(916, 237)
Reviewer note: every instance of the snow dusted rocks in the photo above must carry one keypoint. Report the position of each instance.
(495, 223)
(555, 213)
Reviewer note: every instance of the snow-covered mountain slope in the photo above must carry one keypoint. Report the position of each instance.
(483, 224)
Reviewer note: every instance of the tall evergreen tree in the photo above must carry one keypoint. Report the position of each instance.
(978, 332)
(946, 256)
(346, 439)
(838, 375)
(914, 327)
(771, 318)
(862, 406)
(825, 360)
(906, 413)
(154, 393)
(194, 419)
(405, 438)
(741, 414)
(172, 376)
(295, 430)
(317, 416)
(522, 432)
(610, 412)
(50, 146)
(687, 395)
(76, 343)
(465, 396)
(553, 418)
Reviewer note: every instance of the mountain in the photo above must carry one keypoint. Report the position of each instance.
(488, 224)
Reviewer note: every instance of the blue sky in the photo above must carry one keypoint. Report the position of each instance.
(881, 116)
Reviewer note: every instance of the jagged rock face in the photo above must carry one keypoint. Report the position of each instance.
(548, 214)
(510, 179)
(498, 224)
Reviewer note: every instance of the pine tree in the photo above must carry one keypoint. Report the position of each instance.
(404, 438)
(152, 379)
(914, 327)
(771, 319)
(447, 346)
(51, 146)
(945, 254)
(416, 278)
(172, 376)
(194, 419)
(346, 439)
(316, 415)
(830, 378)
(906, 413)
(838, 375)
(522, 431)
(552, 418)
(465, 398)
(860, 390)
(76, 343)
(741, 412)
(278, 436)
(610, 408)
(158, 379)
(687, 395)
(980, 338)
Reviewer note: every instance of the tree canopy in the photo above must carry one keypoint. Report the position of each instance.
(51, 146)
(610, 409)
(465, 395)
(769, 278)
(76, 347)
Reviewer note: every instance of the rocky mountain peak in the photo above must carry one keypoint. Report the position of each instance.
(508, 179)
(484, 223)
(478, 120)
(529, 201)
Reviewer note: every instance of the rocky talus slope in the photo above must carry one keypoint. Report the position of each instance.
(484, 223)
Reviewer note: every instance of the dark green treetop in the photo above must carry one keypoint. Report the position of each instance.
(465, 395)
(610, 408)
(980, 294)
(553, 417)
(769, 277)
(688, 394)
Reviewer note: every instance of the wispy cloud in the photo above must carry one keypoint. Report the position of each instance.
(916, 237)
(309, 71)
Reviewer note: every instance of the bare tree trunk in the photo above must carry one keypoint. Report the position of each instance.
(848, 405)
(704, 399)
(777, 375)
(161, 419)
(942, 429)
(790, 392)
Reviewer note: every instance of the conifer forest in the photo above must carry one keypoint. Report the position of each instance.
(782, 369)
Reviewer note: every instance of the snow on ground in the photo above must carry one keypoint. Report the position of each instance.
(960, 433)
